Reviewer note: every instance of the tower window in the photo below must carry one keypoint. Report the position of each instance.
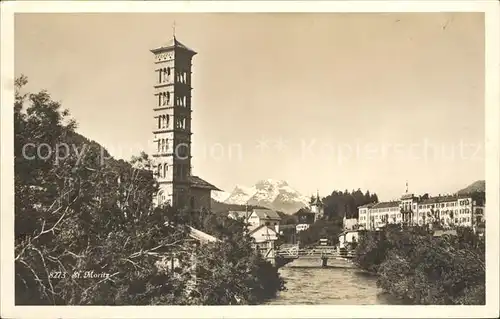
(159, 170)
(164, 99)
(165, 73)
(168, 120)
(168, 98)
(168, 71)
(165, 170)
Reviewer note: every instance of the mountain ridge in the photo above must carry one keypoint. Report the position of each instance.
(477, 186)
(273, 194)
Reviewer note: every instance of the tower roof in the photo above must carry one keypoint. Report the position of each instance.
(317, 200)
(197, 182)
(172, 45)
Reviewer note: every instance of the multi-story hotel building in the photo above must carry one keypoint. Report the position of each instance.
(448, 211)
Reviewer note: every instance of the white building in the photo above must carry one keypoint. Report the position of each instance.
(266, 217)
(263, 234)
(448, 211)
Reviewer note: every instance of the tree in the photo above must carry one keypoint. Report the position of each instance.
(86, 231)
(320, 229)
(231, 271)
(78, 211)
(419, 268)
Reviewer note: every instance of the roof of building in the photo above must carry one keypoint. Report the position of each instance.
(408, 196)
(443, 199)
(197, 182)
(266, 214)
(386, 205)
(367, 205)
(239, 214)
(173, 44)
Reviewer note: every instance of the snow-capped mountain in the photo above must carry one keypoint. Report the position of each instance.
(274, 194)
(220, 196)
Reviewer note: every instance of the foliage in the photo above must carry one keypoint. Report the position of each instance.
(321, 229)
(340, 204)
(242, 275)
(77, 211)
(419, 268)
(86, 231)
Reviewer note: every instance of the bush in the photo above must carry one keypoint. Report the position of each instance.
(421, 269)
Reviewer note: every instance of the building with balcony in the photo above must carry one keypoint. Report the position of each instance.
(447, 211)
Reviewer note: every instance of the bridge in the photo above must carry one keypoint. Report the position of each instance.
(292, 252)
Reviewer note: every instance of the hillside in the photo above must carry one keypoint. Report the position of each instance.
(477, 186)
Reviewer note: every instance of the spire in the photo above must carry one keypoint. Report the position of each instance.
(317, 200)
(173, 30)
(406, 187)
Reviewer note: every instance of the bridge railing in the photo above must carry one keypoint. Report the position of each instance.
(320, 251)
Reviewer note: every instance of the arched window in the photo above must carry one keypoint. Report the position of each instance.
(165, 170)
(168, 71)
(159, 170)
(164, 98)
(166, 145)
(159, 121)
(168, 120)
(168, 97)
(159, 99)
(159, 145)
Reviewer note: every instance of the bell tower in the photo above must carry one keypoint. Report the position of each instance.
(172, 122)
(317, 207)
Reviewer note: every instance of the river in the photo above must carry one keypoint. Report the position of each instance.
(309, 284)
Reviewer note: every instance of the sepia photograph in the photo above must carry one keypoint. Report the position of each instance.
(277, 159)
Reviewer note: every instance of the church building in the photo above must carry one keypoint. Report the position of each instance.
(172, 130)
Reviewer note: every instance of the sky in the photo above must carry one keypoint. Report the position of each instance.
(324, 101)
